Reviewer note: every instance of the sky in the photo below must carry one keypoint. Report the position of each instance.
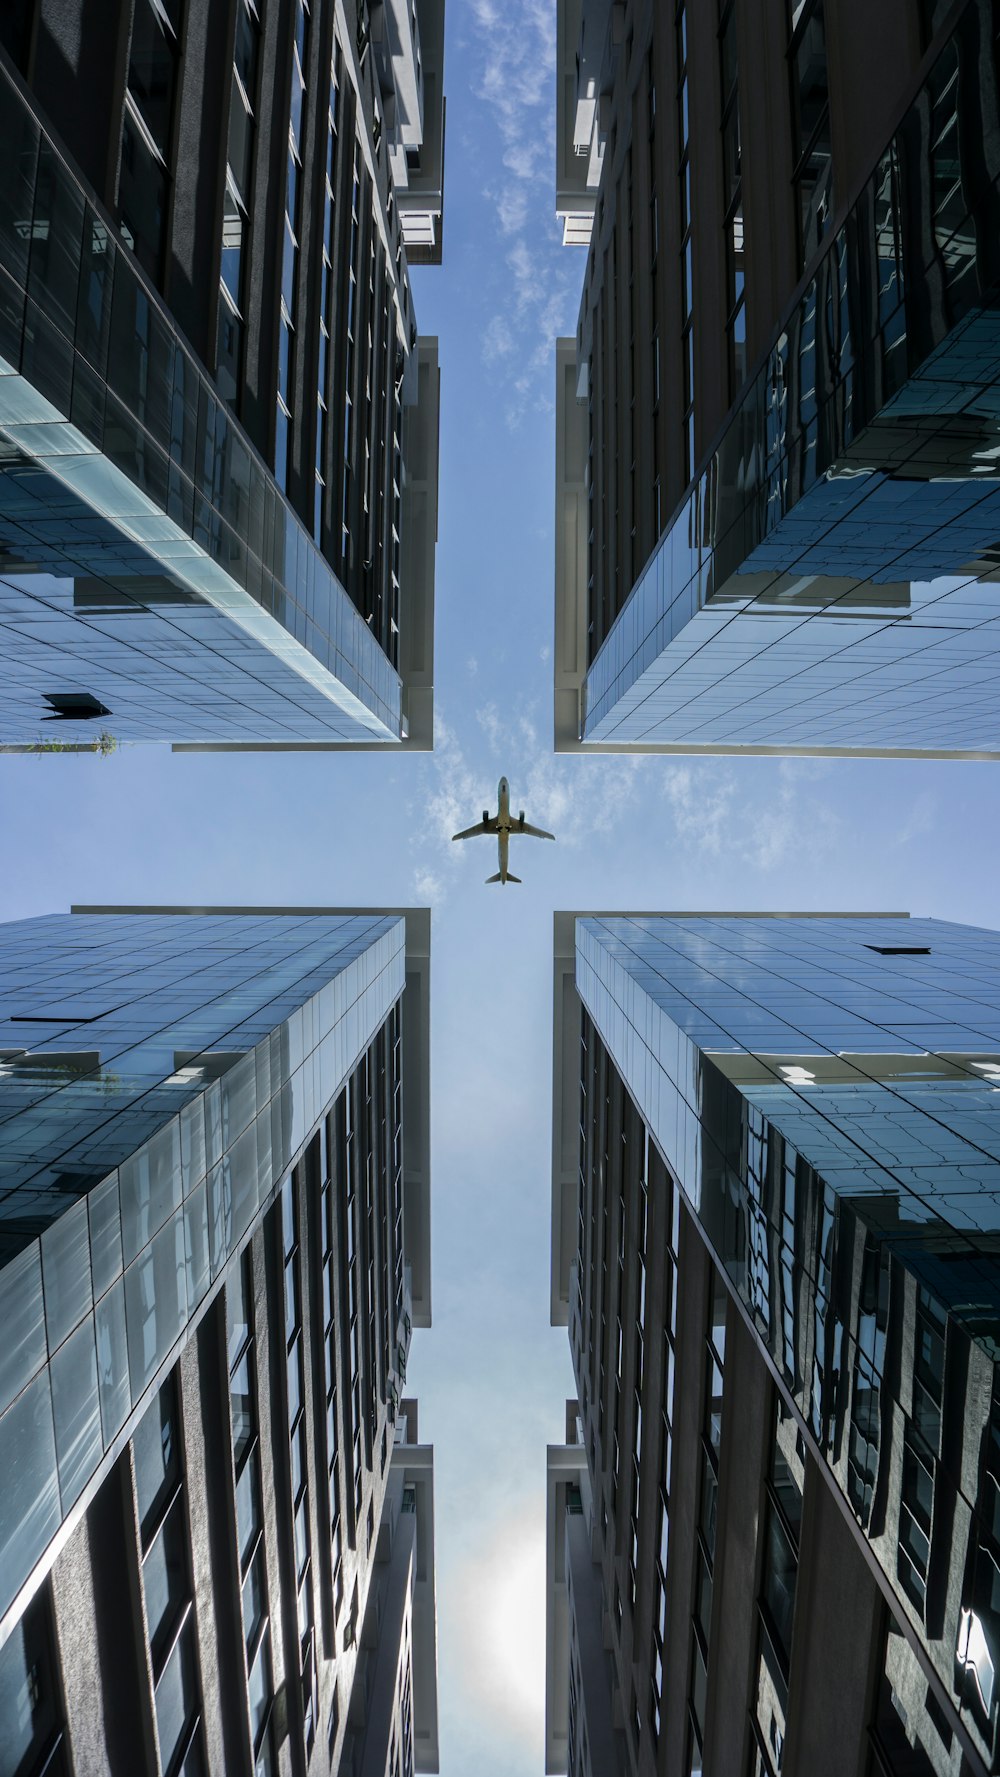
(368, 830)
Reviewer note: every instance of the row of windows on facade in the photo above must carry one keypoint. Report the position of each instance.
(624, 1187)
(612, 575)
(352, 1178)
(361, 455)
(616, 559)
(354, 511)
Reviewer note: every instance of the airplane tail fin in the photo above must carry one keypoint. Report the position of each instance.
(495, 878)
(511, 878)
(499, 878)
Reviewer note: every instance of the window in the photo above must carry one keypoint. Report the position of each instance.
(167, 1584)
(237, 201)
(908, 1741)
(290, 251)
(30, 1708)
(249, 1518)
(156, 1457)
(147, 131)
(326, 319)
(686, 248)
(782, 1518)
(287, 1222)
(711, 1439)
(663, 1188)
(811, 152)
(330, 1184)
(736, 331)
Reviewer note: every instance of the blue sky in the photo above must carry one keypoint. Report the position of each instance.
(368, 830)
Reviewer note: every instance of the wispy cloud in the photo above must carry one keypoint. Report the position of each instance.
(518, 42)
(921, 817)
(498, 340)
(715, 809)
(428, 887)
(712, 811)
(515, 75)
(554, 791)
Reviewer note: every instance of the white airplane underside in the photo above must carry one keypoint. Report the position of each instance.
(503, 824)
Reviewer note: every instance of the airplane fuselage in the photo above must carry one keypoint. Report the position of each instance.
(503, 824)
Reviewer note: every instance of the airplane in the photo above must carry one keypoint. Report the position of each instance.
(503, 824)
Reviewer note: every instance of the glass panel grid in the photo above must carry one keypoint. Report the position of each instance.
(190, 535)
(213, 1044)
(827, 581)
(839, 1076)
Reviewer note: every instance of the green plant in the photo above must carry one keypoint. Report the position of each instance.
(103, 745)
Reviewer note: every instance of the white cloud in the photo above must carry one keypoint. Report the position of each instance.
(455, 790)
(512, 209)
(492, 725)
(572, 800)
(920, 818)
(498, 1623)
(515, 79)
(717, 809)
(498, 340)
(428, 888)
(712, 812)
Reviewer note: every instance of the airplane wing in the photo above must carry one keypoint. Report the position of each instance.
(534, 832)
(480, 827)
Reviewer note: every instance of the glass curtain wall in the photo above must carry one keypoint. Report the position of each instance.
(714, 1359)
(292, 1292)
(147, 154)
(167, 1585)
(686, 250)
(238, 196)
(662, 1185)
(290, 246)
(249, 1521)
(732, 197)
(782, 1522)
(811, 148)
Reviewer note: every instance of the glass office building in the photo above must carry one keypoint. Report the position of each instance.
(776, 489)
(209, 1281)
(775, 1222)
(218, 425)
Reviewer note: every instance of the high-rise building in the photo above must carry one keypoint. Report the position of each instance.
(216, 1524)
(218, 424)
(773, 1527)
(776, 495)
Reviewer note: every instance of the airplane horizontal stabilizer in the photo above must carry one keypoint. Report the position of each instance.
(511, 878)
(496, 878)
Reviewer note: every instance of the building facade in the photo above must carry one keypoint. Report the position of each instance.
(775, 498)
(210, 1287)
(772, 1538)
(218, 490)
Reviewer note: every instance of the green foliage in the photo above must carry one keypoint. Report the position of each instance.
(104, 745)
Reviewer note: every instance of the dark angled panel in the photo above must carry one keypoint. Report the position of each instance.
(203, 118)
(78, 76)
